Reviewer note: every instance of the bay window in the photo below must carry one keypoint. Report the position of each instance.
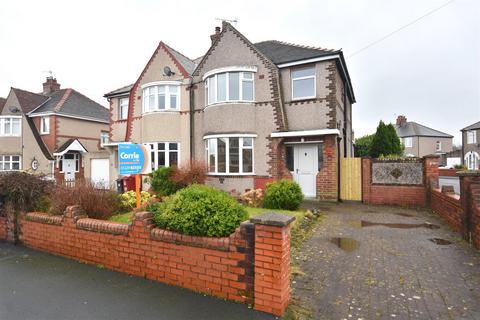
(161, 97)
(10, 162)
(164, 154)
(303, 83)
(234, 86)
(229, 154)
(10, 126)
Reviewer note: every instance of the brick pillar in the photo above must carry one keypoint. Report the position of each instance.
(366, 179)
(469, 189)
(272, 262)
(430, 175)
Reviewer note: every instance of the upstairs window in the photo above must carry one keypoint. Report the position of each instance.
(471, 137)
(123, 109)
(161, 97)
(10, 126)
(438, 146)
(45, 125)
(229, 87)
(303, 83)
(104, 138)
(407, 142)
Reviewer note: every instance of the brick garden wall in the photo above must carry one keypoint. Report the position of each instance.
(393, 194)
(250, 266)
(448, 207)
(3, 228)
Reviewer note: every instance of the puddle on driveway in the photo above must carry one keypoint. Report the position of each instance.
(346, 244)
(441, 242)
(364, 223)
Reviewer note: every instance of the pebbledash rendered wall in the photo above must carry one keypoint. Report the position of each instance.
(399, 182)
(250, 266)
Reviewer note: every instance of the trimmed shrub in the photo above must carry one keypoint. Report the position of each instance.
(161, 183)
(22, 190)
(284, 194)
(128, 200)
(199, 210)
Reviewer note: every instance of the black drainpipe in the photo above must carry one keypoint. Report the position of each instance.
(338, 168)
(192, 116)
(344, 120)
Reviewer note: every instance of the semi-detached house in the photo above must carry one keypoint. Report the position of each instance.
(58, 133)
(253, 112)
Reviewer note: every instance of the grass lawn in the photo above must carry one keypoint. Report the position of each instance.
(123, 217)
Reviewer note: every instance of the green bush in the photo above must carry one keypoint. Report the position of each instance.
(22, 190)
(199, 210)
(283, 194)
(128, 200)
(161, 183)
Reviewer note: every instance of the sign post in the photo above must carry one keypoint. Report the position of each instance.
(134, 159)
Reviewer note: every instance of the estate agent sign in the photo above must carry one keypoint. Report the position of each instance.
(133, 159)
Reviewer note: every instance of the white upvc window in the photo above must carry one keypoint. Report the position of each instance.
(104, 138)
(45, 125)
(11, 126)
(438, 146)
(164, 154)
(230, 155)
(303, 83)
(10, 163)
(123, 109)
(407, 142)
(472, 160)
(471, 137)
(161, 97)
(232, 86)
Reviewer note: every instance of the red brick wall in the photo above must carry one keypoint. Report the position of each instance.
(409, 195)
(448, 207)
(447, 172)
(3, 228)
(223, 267)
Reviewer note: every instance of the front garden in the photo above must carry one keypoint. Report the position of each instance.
(178, 199)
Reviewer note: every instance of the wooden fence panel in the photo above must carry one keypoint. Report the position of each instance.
(351, 179)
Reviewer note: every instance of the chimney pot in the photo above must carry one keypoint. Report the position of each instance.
(50, 85)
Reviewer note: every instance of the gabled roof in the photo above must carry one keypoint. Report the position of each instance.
(282, 52)
(119, 91)
(29, 100)
(472, 126)
(188, 64)
(69, 102)
(70, 145)
(411, 129)
(39, 139)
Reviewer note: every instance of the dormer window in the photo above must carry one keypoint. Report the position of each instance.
(161, 96)
(229, 85)
(45, 125)
(303, 83)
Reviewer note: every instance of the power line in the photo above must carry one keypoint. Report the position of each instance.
(401, 28)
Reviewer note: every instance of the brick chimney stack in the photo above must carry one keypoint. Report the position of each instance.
(214, 37)
(401, 121)
(50, 85)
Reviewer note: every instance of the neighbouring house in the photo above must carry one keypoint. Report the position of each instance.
(471, 146)
(420, 140)
(253, 112)
(58, 132)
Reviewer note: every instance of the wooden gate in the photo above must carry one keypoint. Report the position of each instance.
(351, 179)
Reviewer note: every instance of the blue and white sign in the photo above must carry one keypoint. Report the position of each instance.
(133, 159)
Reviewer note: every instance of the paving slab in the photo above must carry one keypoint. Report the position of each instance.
(382, 262)
(36, 285)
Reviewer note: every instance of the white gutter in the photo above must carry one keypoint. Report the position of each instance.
(305, 133)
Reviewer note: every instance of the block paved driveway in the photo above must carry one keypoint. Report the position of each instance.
(386, 267)
(35, 285)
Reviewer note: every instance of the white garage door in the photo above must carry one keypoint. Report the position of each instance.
(100, 173)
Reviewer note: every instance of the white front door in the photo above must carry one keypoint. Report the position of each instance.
(100, 173)
(69, 169)
(306, 168)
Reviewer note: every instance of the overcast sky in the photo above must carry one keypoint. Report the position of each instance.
(429, 71)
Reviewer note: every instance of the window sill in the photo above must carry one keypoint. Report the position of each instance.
(303, 99)
(161, 111)
(226, 103)
(230, 174)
